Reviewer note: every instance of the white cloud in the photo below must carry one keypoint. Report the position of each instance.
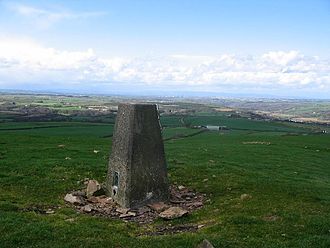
(44, 18)
(26, 61)
(282, 58)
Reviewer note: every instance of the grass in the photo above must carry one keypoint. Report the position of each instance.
(288, 177)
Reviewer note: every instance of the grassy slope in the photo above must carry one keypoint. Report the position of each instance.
(288, 178)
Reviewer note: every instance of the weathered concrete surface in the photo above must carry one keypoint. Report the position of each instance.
(137, 173)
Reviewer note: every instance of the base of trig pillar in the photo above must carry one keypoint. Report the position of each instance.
(137, 173)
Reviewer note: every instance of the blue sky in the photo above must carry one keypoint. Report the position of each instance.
(244, 46)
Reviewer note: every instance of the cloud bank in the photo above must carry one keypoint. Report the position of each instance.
(23, 61)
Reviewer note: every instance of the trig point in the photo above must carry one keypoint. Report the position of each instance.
(137, 173)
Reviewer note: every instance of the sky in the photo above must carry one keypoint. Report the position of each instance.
(274, 48)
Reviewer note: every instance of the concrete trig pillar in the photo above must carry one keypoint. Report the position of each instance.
(137, 173)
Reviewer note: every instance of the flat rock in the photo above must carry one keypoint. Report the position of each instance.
(93, 199)
(128, 214)
(158, 206)
(77, 200)
(205, 244)
(173, 213)
(92, 187)
(87, 208)
(105, 200)
(122, 210)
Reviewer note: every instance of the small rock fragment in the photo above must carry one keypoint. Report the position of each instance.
(129, 214)
(181, 187)
(87, 208)
(92, 187)
(77, 200)
(205, 244)
(50, 211)
(245, 197)
(122, 210)
(205, 180)
(172, 213)
(158, 206)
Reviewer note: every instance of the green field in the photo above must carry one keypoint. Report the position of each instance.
(284, 167)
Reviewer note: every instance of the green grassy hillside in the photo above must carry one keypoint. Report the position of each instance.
(285, 168)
